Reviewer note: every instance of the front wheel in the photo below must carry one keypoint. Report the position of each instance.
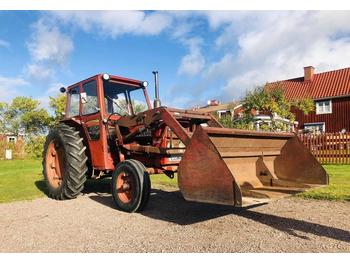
(131, 186)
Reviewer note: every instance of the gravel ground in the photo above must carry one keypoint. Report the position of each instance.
(170, 224)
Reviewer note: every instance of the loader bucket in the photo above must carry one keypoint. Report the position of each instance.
(242, 168)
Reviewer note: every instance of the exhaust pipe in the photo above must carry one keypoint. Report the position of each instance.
(156, 102)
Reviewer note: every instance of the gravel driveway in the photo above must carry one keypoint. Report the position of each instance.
(170, 224)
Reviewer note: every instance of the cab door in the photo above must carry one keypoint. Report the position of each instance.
(92, 122)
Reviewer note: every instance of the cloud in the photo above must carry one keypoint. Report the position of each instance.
(49, 45)
(221, 68)
(116, 23)
(4, 43)
(268, 46)
(228, 52)
(54, 88)
(192, 63)
(179, 101)
(52, 91)
(39, 72)
(49, 49)
(10, 87)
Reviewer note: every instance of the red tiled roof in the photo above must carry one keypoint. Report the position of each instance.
(328, 84)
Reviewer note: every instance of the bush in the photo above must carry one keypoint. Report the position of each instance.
(34, 147)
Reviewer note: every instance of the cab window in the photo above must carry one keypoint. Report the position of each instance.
(90, 105)
(74, 97)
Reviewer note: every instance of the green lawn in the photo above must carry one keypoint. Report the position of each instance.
(22, 179)
(339, 184)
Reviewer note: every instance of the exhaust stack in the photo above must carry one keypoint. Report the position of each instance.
(156, 102)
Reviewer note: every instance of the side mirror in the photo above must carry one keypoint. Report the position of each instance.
(83, 98)
(63, 90)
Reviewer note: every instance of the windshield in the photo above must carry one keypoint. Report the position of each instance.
(123, 99)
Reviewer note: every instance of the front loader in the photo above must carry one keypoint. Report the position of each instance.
(102, 135)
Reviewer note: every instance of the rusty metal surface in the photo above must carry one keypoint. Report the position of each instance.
(296, 163)
(231, 131)
(203, 176)
(154, 150)
(243, 168)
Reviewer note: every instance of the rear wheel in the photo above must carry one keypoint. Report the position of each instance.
(131, 186)
(64, 162)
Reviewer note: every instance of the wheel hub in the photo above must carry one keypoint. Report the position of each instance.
(125, 187)
(54, 164)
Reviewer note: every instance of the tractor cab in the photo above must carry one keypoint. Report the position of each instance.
(106, 95)
(95, 103)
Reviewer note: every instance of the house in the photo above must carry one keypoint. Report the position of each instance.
(331, 93)
(234, 110)
(261, 119)
(12, 142)
(9, 138)
(221, 109)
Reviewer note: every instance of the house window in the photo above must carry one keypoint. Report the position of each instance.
(11, 139)
(315, 127)
(324, 107)
(224, 113)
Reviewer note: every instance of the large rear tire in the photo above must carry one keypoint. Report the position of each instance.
(64, 163)
(131, 186)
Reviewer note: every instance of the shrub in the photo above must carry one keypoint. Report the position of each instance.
(34, 147)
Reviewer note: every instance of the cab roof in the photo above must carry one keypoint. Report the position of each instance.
(115, 78)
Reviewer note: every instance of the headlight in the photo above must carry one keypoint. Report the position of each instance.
(144, 83)
(105, 77)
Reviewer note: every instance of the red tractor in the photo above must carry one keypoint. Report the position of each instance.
(102, 134)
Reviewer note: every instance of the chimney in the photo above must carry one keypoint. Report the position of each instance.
(308, 73)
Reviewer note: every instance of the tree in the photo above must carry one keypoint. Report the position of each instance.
(271, 102)
(3, 107)
(34, 146)
(122, 107)
(138, 107)
(23, 113)
(58, 105)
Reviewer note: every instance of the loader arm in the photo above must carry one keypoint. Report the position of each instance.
(171, 119)
(232, 166)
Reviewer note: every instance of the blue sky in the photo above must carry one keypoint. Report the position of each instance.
(200, 55)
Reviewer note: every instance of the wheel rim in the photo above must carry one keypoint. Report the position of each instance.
(126, 186)
(54, 164)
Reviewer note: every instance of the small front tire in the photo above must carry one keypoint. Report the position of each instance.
(131, 186)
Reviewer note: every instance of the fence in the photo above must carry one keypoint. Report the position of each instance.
(328, 148)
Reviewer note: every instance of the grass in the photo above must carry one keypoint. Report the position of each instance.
(163, 181)
(339, 185)
(22, 180)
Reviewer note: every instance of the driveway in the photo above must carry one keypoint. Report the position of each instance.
(90, 223)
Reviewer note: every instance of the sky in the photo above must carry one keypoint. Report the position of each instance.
(200, 55)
